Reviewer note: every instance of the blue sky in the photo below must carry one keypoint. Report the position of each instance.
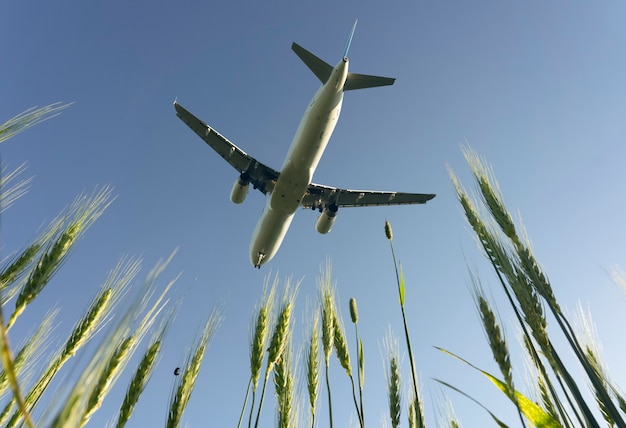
(537, 88)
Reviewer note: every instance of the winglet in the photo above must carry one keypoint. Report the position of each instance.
(345, 54)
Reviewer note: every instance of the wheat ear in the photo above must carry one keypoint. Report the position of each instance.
(328, 330)
(92, 320)
(83, 212)
(258, 343)
(282, 327)
(284, 384)
(185, 383)
(312, 365)
(29, 118)
(394, 386)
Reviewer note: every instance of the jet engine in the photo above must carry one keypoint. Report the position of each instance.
(327, 218)
(240, 189)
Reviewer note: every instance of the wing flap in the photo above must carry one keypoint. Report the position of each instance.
(259, 174)
(319, 195)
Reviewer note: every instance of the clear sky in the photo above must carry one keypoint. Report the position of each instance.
(537, 87)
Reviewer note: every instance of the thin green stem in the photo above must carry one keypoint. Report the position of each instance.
(406, 328)
(330, 404)
(258, 415)
(245, 402)
(359, 362)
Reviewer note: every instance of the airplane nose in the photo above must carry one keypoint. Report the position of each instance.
(258, 260)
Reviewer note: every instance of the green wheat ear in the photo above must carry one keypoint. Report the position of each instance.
(260, 331)
(140, 379)
(312, 366)
(284, 385)
(388, 231)
(341, 344)
(31, 353)
(83, 213)
(95, 316)
(394, 383)
(9, 192)
(29, 118)
(279, 339)
(259, 334)
(354, 312)
(181, 391)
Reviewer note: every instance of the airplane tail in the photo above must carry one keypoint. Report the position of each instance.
(323, 70)
(318, 66)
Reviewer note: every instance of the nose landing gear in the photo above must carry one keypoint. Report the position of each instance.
(259, 259)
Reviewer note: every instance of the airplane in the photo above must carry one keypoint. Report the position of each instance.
(291, 187)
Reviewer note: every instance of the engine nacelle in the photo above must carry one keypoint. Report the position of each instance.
(326, 219)
(240, 190)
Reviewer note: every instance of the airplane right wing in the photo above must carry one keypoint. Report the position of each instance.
(319, 196)
(261, 176)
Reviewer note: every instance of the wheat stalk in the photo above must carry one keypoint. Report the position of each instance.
(181, 391)
(90, 322)
(9, 193)
(401, 296)
(343, 355)
(284, 384)
(278, 341)
(120, 357)
(328, 329)
(31, 352)
(312, 365)
(113, 354)
(83, 212)
(108, 375)
(258, 341)
(354, 316)
(29, 118)
(393, 379)
(140, 380)
(530, 272)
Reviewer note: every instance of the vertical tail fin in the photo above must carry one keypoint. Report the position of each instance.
(345, 53)
(323, 70)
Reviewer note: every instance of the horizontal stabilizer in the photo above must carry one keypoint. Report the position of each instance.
(318, 66)
(360, 81)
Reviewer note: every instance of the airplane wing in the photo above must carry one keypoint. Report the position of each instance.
(261, 176)
(319, 196)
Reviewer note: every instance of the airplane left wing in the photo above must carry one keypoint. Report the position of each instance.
(261, 176)
(319, 196)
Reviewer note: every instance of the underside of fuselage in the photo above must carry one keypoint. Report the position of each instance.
(292, 186)
(305, 152)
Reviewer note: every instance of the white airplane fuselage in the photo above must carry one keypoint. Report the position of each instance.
(305, 152)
